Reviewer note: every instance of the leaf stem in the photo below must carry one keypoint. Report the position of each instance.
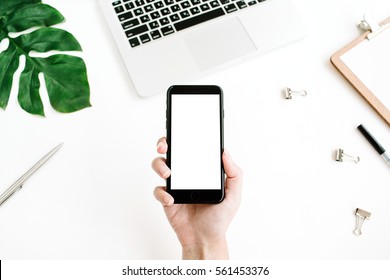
(22, 52)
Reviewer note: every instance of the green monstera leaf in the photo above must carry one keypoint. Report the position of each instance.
(65, 75)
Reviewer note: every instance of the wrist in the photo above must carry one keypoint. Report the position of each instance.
(217, 250)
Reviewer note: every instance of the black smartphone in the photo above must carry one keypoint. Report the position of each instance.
(195, 144)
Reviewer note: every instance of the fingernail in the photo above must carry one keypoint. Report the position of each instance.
(167, 201)
(160, 144)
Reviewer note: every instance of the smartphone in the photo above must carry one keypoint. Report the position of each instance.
(195, 144)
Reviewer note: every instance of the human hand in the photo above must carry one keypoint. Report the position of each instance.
(200, 228)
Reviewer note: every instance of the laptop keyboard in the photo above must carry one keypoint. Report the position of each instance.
(144, 21)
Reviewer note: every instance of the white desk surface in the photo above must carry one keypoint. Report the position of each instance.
(93, 200)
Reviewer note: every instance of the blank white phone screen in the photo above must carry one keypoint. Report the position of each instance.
(195, 142)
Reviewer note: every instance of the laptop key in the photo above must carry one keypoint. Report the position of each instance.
(155, 34)
(130, 23)
(154, 24)
(137, 30)
(155, 15)
(139, 3)
(184, 14)
(144, 18)
(165, 11)
(214, 4)
(204, 7)
(195, 10)
(167, 30)
(199, 19)
(230, 8)
(116, 3)
(125, 16)
(138, 12)
(148, 8)
(134, 42)
(241, 4)
(185, 5)
(175, 8)
(145, 38)
(251, 3)
(159, 5)
(174, 17)
(119, 9)
(129, 6)
(164, 21)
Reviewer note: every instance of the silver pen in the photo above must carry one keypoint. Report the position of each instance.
(19, 183)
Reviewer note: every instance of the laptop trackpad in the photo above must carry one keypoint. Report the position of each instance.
(218, 43)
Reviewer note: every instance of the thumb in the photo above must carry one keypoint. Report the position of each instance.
(234, 174)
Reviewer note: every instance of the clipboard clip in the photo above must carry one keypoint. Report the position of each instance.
(369, 24)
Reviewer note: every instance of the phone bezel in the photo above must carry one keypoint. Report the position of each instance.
(195, 196)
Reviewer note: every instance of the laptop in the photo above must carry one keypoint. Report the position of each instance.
(167, 42)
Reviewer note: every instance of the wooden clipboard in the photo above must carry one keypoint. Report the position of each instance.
(356, 81)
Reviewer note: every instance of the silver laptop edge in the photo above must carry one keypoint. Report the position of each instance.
(189, 54)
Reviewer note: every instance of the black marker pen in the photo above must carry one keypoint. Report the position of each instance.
(378, 147)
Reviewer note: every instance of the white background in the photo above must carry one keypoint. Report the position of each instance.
(195, 142)
(94, 199)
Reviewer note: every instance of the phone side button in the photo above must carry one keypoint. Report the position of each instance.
(195, 196)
